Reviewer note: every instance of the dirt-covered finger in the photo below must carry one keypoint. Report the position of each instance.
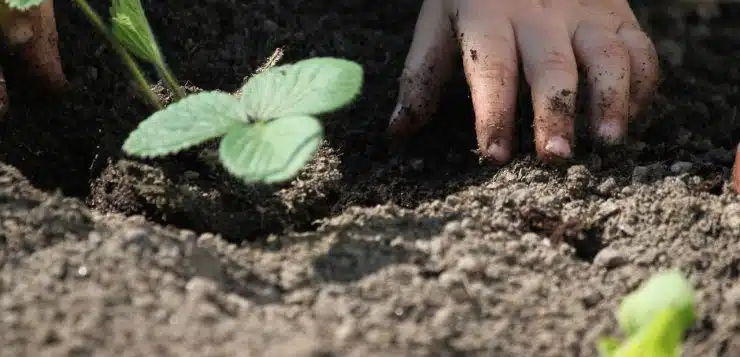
(550, 69)
(16, 26)
(491, 68)
(428, 66)
(644, 64)
(606, 63)
(40, 52)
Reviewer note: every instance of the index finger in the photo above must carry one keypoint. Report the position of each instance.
(491, 68)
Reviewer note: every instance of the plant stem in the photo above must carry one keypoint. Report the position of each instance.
(125, 56)
(166, 74)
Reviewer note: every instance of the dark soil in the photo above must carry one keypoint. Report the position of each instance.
(378, 248)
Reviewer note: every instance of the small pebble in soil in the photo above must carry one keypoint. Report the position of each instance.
(609, 258)
(702, 144)
(732, 296)
(191, 175)
(417, 164)
(566, 250)
(594, 162)
(201, 287)
(578, 178)
(671, 51)
(530, 239)
(470, 264)
(437, 246)
(721, 155)
(591, 298)
(731, 217)
(513, 246)
(453, 228)
(645, 174)
(681, 167)
(452, 200)
(607, 186)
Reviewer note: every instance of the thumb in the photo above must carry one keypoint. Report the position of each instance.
(428, 65)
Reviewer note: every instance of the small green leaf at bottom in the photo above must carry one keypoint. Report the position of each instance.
(188, 122)
(660, 338)
(273, 151)
(665, 290)
(608, 346)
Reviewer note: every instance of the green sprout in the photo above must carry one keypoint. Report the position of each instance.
(654, 318)
(269, 132)
(132, 29)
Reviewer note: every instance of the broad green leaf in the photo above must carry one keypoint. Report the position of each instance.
(22, 4)
(272, 151)
(307, 87)
(186, 123)
(132, 29)
(662, 291)
(661, 338)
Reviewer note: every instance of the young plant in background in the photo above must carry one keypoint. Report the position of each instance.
(132, 29)
(654, 319)
(130, 33)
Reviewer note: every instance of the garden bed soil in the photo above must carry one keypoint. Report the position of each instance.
(377, 248)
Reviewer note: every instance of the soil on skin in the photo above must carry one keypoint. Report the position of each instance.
(377, 248)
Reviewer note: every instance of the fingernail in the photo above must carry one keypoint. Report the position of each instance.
(610, 132)
(498, 152)
(393, 127)
(559, 146)
(396, 113)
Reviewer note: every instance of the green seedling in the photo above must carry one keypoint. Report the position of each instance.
(269, 132)
(654, 319)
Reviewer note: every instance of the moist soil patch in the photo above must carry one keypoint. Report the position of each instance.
(378, 248)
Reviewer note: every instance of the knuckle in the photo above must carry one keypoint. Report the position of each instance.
(558, 61)
(495, 69)
(650, 65)
(614, 47)
(645, 68)
(610, 48)
(642, 50)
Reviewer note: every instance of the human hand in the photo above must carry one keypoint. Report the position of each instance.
(551, 39)
(33, 35)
